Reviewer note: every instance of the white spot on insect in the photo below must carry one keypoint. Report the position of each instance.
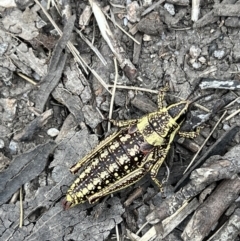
(104, 174)
(125, 167)
(79, 194)
(133, 151)
(115, 174)
(99, 187)
(82, 175)
(122, 159)
(125, 138)
(90, 186)
(85, 191)
(113, 167)
(107, 181)
(104, 154)
(135, 158)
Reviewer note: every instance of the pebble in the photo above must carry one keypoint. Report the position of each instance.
(219, 54)
(196, 65)
(194, 51)
(13, 147)
(1, 144)
(170, 8)
(52, 132)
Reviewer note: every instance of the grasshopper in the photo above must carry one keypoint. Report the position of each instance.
(139, 147)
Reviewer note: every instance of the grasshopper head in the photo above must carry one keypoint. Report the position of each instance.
(178, 111)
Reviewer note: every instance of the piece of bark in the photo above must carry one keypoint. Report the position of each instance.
(227, 10)
(113, 43)
(56, 66)
(143, 103)
(208, 83)
(188, 144)
(151, 24)
(211, 210)
(216, 168)
(166, 227)
(27, 134)
(218, 148)
(205, 20)
(233, 22)
(72, 102)
(210, 17)
(230, 229)
(24, 168)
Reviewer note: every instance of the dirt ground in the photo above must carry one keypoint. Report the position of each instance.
(57, 95)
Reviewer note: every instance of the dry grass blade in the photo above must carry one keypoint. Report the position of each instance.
(27, 78)
(113, 43)
(93, 48)
(71, 47)
(74, 51)
(129, 35)
(113, 92)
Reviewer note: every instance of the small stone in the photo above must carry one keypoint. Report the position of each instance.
(194, 51)
(133, 13)
(52, 132)
(1, 144)
(202, 60)
(147, 3)
(196, 65)
(170, 8)
(146, 38)
(226, 127)
(13, 147)
(219, 54)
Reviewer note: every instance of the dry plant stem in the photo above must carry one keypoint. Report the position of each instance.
(201, 224)
(204, 143)
(134, 88)
(195, 10)
(130, 36)
(152, 7)
(117, 233)
(137, 193)
(27, 78)
(232, 115)
(93, 48)
(21, 209)
(113, 43)
(113, 93)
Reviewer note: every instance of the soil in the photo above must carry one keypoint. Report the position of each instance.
(56, 96)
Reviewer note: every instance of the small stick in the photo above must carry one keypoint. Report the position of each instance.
(21, 209)
(149, 9)
(204, 143)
